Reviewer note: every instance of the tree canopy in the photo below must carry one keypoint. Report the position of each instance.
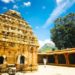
(63, 32)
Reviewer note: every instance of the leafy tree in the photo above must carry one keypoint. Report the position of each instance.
(63, 32)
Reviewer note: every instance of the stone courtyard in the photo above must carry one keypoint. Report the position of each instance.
(50, 70)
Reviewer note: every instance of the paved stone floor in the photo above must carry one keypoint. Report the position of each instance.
(50, 70)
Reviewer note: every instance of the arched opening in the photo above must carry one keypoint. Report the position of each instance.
(61, 59)
(72, 58)
(1, 59)
(22, 59)
(51, 59)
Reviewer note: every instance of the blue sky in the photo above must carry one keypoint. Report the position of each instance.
(40, 14)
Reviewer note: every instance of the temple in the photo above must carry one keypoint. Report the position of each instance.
(18, 44)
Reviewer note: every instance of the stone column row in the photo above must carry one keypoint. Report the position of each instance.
(66, 55)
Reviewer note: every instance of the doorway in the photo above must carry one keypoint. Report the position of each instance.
(1, 59)
(22, 59)
(61, 59)
(72, 58)
(51, 59)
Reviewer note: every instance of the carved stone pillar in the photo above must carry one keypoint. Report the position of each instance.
(56, 59)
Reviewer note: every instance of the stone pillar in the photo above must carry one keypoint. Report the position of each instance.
(66, 57)
(34, 58)
(56, 59)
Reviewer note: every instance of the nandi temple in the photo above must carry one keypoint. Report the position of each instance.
(18, 44)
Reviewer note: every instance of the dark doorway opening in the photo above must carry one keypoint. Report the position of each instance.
(22, 59)
(72, 58)
(61, 59)
(1, 59)
(51, 59)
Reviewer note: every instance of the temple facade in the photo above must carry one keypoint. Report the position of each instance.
(18, 44)
(64, 57)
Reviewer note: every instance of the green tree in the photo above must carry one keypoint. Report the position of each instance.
(63, 32)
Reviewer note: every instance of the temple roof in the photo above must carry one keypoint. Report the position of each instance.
(18, 26)
(13, 13)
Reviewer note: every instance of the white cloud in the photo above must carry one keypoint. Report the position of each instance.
(15, 7)
(37, 27)
(42, 42)
(4, 8)
(43, 7)
(59, 2)
(58, 11)
(7, 1)
(27, 4)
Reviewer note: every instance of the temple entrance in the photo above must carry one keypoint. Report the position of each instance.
(72, 58)
(61, 59)
(22, 59)
(1, 59)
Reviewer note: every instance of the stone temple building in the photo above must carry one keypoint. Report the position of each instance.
(18, 44)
